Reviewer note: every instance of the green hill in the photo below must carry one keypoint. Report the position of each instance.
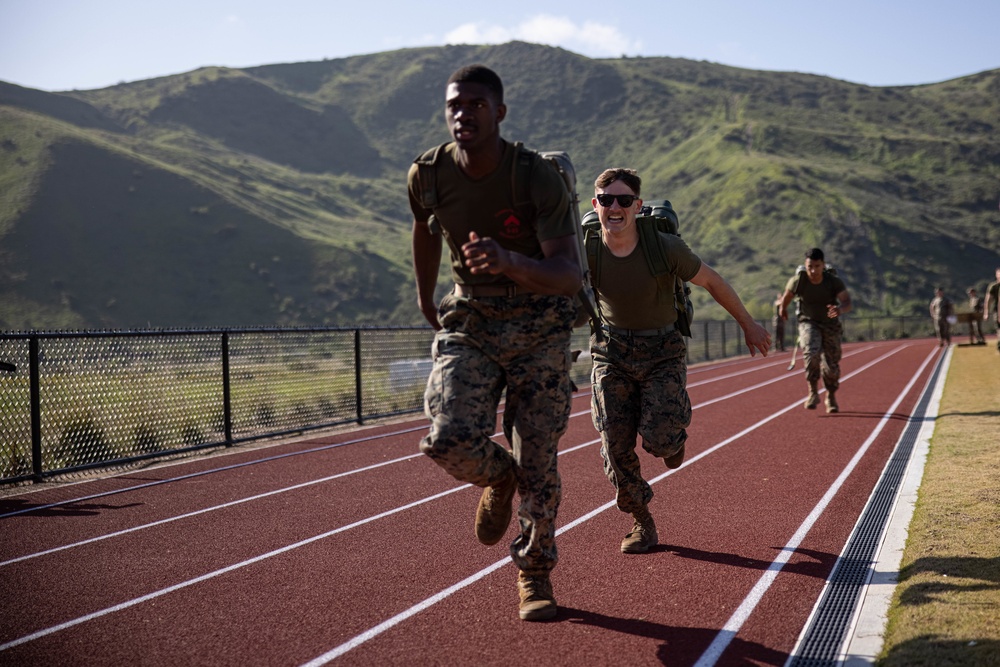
(275, 195)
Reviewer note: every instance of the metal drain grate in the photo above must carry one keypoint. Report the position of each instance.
(821, 643)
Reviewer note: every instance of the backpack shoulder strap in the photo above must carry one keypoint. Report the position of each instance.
(427, 171)
(592, 246)
(652, 247)
(520, 177)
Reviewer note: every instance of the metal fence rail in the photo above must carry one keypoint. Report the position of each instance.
(71, 401)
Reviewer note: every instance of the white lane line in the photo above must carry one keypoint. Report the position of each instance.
(753, 598)
(251, 561)
(235, 466)
(205, 510)
(236, 566)
(389, 623)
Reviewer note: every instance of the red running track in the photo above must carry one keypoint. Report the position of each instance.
(354, 549)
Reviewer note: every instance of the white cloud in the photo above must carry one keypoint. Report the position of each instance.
(589, 38)
(478, 33)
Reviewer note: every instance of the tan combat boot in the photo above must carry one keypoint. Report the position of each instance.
(537, 601)
(831, 403)
(675, 460)
(812, 400)
(493, 513)
(643, 534)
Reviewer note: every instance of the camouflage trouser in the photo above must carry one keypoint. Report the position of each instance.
(486, 345)
(820, 345)
(942, 329)
(639, 388)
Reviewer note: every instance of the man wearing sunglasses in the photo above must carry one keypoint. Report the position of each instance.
(505, 325)
(640, 370)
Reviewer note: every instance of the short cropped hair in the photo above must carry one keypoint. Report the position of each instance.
(815, 254)
(479, 74)
(628, 176)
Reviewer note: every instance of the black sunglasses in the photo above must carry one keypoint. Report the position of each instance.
(623, 200)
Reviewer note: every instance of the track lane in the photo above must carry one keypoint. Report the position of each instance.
(593, 478)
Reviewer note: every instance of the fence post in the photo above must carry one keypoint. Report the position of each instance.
(34, 397)
(357, 375)
(708, 349)
(227, 404)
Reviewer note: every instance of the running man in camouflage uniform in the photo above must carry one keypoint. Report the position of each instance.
(992, 304)
(639, 378)
(823, 298)
(940, 310)
(975, 322)
(506, 324)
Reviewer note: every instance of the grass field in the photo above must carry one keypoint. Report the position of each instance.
(946, 608)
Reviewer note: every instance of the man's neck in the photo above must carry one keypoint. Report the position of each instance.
(481, 161)
(622, 245)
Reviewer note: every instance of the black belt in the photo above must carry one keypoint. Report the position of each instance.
(618, 331)
(474, 291)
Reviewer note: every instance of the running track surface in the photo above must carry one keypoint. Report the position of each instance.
(354, 549)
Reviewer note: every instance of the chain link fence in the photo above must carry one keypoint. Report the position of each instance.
(72, 401)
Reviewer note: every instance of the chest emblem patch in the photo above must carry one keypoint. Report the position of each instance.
(512, 225)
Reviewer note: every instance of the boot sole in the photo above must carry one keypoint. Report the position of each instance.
(543, 614)
(639, 548)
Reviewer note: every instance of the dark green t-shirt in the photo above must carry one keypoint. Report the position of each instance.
(627, 295)
(813, 299)
(486, 207)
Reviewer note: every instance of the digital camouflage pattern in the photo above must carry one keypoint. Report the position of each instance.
(639, 388)
(821, 352)
(486, 345)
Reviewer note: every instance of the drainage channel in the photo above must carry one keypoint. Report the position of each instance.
(821, 643)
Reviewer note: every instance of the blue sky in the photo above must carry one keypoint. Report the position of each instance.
(66, 44)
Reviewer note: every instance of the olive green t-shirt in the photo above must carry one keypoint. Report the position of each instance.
(813, 299)
(627, 295)
(486, 206)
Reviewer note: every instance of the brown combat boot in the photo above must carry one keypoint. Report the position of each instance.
(493, 513)
(675, 460)
(831, 403)
(812, 400)
(643, 534)
(537, 601)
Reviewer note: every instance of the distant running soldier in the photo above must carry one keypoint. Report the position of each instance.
(993, 305)
(940, 310)
(976, 322)
(822, 299)
(779, 326)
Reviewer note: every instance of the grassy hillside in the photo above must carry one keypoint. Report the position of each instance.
(275, 194)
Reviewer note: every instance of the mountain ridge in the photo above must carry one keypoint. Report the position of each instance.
(898, 184)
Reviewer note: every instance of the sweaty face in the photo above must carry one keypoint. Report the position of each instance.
(814, 269)
(615, 218)
(472, 113)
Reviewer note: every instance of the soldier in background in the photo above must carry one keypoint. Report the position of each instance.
(976, 323)
(822, 299)
(993, 304)
(940, 310)
(779, 325)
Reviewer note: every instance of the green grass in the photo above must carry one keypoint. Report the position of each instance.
(946, 608)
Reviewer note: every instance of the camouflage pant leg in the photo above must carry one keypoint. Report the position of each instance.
(521, 344)
(639, 388)
(536, 414)
(942, 329)
(821, 351)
